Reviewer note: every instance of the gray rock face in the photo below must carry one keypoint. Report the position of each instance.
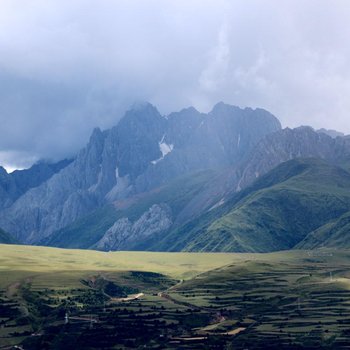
(146, 150)
(219, 139)
(8, 190)
(272, 150)
(15, 184)
(143, 151)
(37, 174)
(287, 144)
(124, 234)
(60, 199)
(332, 133)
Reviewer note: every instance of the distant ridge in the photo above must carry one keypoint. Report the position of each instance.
(229, 180)
(142, 152)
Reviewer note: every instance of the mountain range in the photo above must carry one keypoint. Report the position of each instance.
(228, 180)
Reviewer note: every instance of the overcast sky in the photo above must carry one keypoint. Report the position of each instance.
(67, 66)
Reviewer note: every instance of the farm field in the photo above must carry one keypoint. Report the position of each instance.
(73, 299)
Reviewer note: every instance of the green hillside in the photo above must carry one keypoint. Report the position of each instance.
(335, 234)
(17, 261)
(298, 199)
(275, 213)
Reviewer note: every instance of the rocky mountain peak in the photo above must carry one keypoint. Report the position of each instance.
(276, 148)
(222, 107)
(3, 171)
(144, 113)
(332, 133)
(142, 152)
(96, 135)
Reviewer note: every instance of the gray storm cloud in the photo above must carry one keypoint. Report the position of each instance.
(68, 66)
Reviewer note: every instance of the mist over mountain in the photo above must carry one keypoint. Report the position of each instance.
(148, 182)
(143, 151)
(137, 211)
(67, 67)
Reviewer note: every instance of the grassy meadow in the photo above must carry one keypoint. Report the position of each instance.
(36, 260)
(125, 300)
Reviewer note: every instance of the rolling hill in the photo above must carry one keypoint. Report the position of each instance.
(277, 212)
(79, 299)
(334, 234)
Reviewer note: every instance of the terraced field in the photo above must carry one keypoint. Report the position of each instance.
(286, 300)
(291, 302)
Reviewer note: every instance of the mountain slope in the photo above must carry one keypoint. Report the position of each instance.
(274, 149)
(137, 185)
(334, 234)
(144, 151)
(275, 213)
(15, 184)
(89, 230)
(8, 190)
(6, 238)
(37, 174)
(287, 144)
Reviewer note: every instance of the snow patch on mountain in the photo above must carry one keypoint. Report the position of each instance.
(218, 204)
(164, 149)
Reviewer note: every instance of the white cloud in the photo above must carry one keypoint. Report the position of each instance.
(68, 66)
(218, 63)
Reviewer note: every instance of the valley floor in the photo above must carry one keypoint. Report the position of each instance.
(73, 299)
